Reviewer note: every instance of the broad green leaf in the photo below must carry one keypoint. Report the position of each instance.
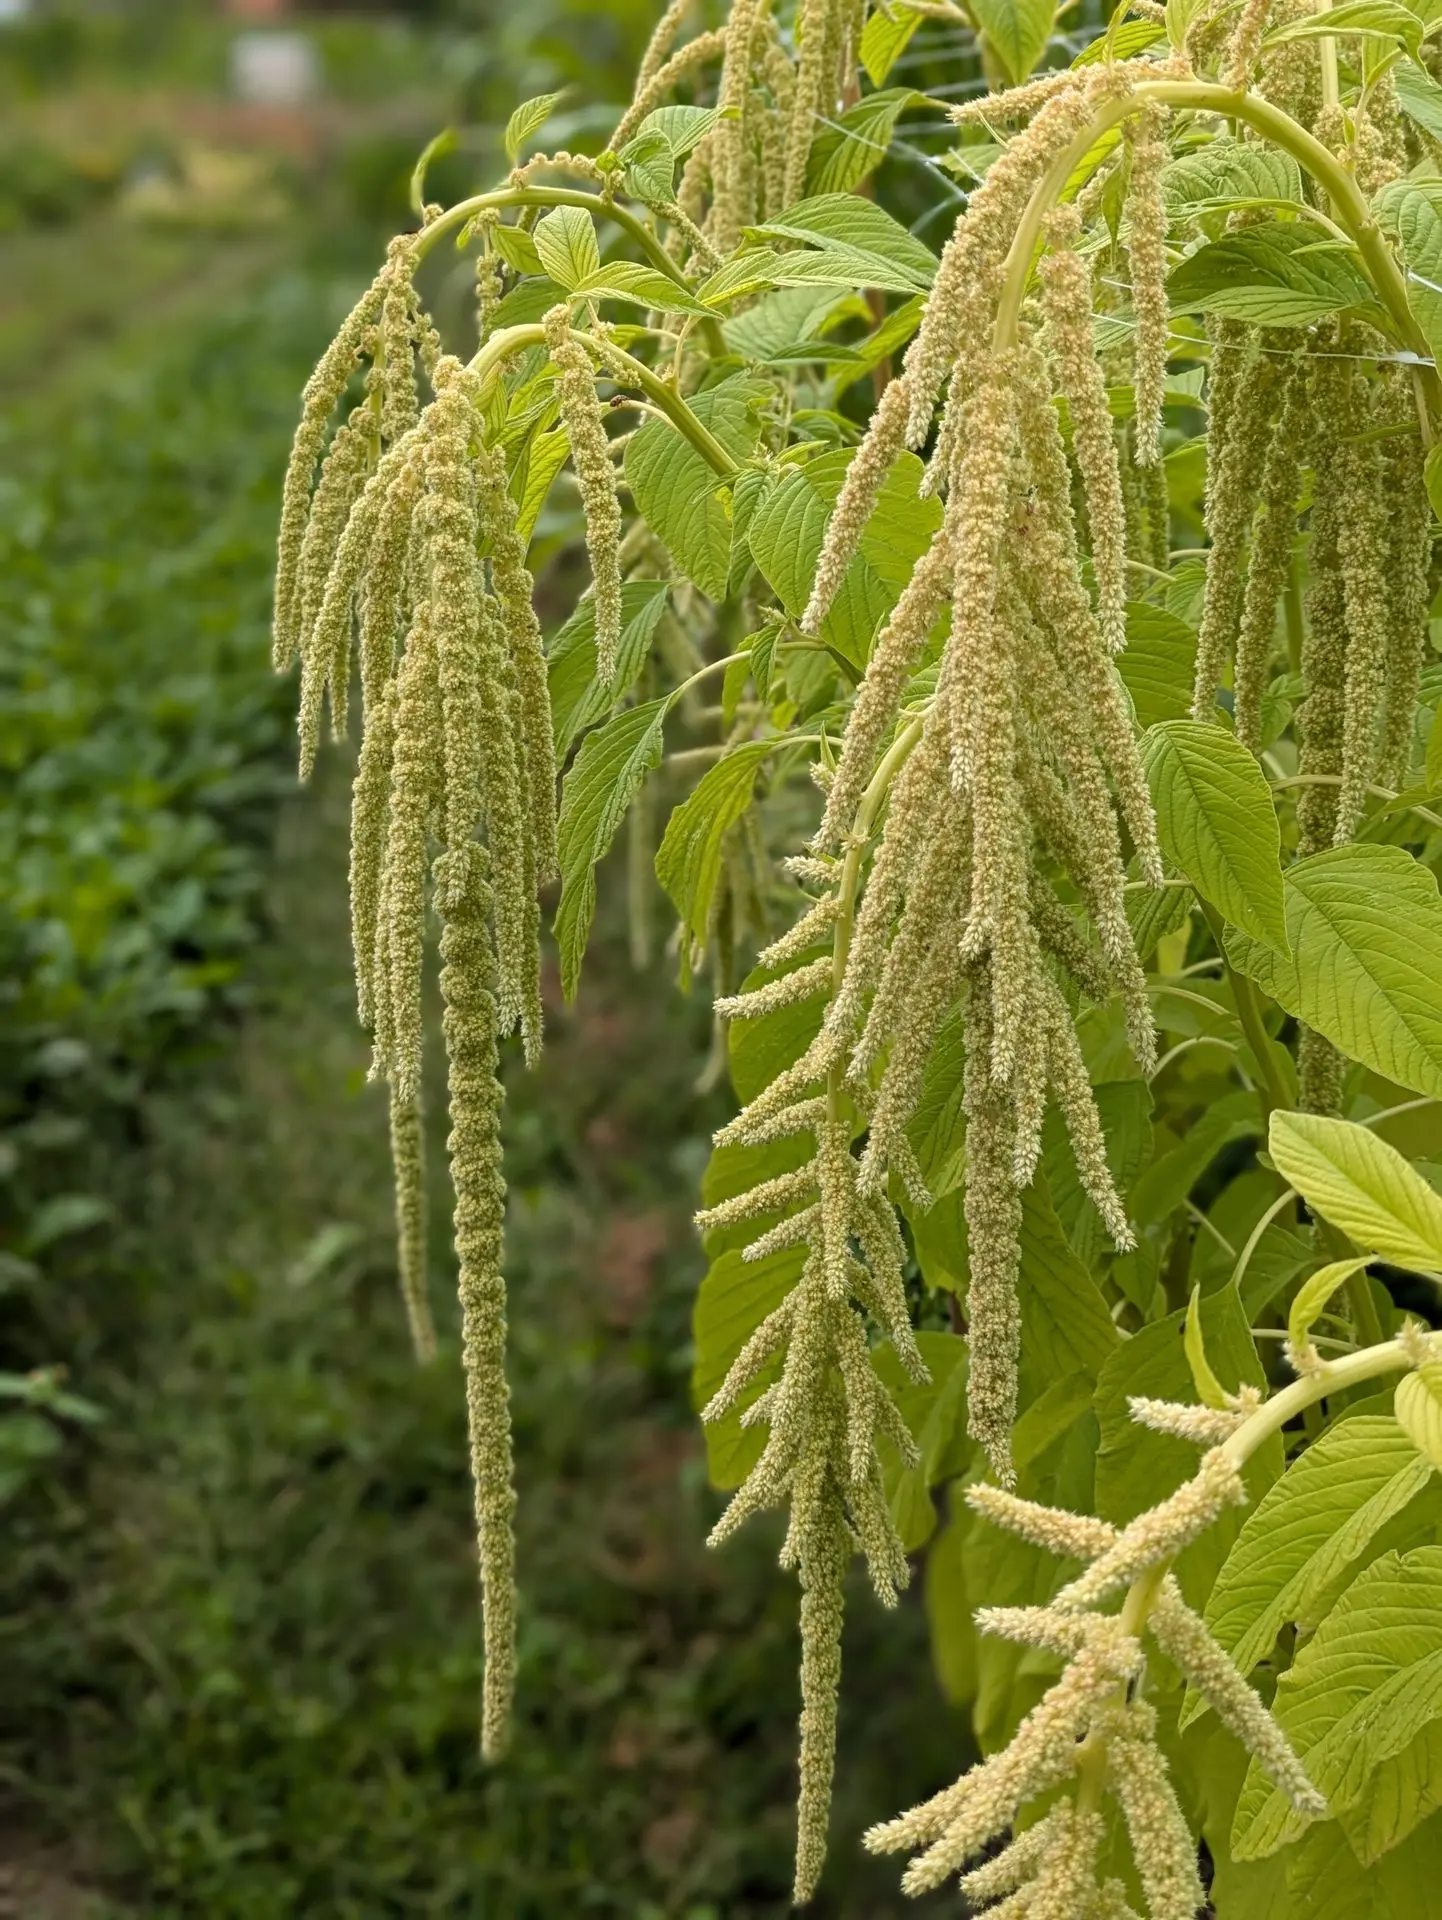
(1307, 1529)
(527, 119)
(887, 339)
(949, 1603)
(1135, 1466)
(578, 699)
(543, 458)
(650, 169)
(846, 150)
(884, 40)
(528, 301)
(848, 221)
(1153, 913)
(733, 1299)
(517, 248)
(1365, 925)
(1313, 1296)
(1065, 1325)
(1419, 1410)
(1205, 1385)
(601, 784)
(938, 1126)
(1121, 41)
(1419, 97)
(680, 495)
(1369, 19)
(688, 861)
(1398, 1797)
(1124, 1107)
(566, 241)
(628, 280)
(788, 530)
(1216, 822)
(1327, 1879)
(681, 127)
(1410, 212)
(1159, 664)
(1358, 1693)
(782, 321)
(1362, 1185)
(935, 1416)
(759, 1049)
(1224, 170)
(1017, 30)
(1272, 275)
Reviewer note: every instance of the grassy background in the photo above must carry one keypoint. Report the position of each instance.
(241, 1639)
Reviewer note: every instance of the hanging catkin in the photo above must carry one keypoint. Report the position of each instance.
(1271, 555)
(595, 476)
(468, 981)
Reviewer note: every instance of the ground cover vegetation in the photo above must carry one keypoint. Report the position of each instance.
(1060, 863)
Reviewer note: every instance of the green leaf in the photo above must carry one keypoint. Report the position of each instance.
(1166, 1183)
(935, 1416)
(444, 142)
(789, 527)
(1124, 1107)
(688, 862)
(1216, 822)
(1313, 1297)
(1371, 19)
(845, 220)
(884, 40)
(733, 1299)
(1017, 30)
(1272, 275)
(1227, 170)
(1065, 1325)
(1362, 1185)
(1307, 1530)
(527, 119)
(517, 248)
(1419, 97)
(949, 1603)
(889, 338)
(1331, 1877)
(1359, 1691)
(1153, 913)
(542, 459)
(680, 495)
(1121, 41)
(780, 323)
(1365, 925)
(578, 700)
(602, 782)
(1410, 213)
(1419, 1410)
(1208, 1388)
(846, 150)
(938, 1126)
(566, 241)
(629, 280)
(1159, 664)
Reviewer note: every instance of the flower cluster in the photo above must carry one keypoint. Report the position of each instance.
(1093, 1735)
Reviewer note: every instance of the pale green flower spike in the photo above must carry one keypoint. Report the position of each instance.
(657, 86)
(1409, 519)
(1067, 297)
(732, 158)
(521, 632)
(1363, 556)
(468, 980)
(1233, 481)
(370, 811)
(865, 477)
(408, 1157)
(1271, 555)
(595, 476)
(819, 38)
(1161, 1841)
(1147, 252)
(322, 394)
(993, 1221)
(1092, 1726)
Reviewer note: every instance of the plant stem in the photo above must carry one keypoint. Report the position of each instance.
(512, 340)
(1271, 1093)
